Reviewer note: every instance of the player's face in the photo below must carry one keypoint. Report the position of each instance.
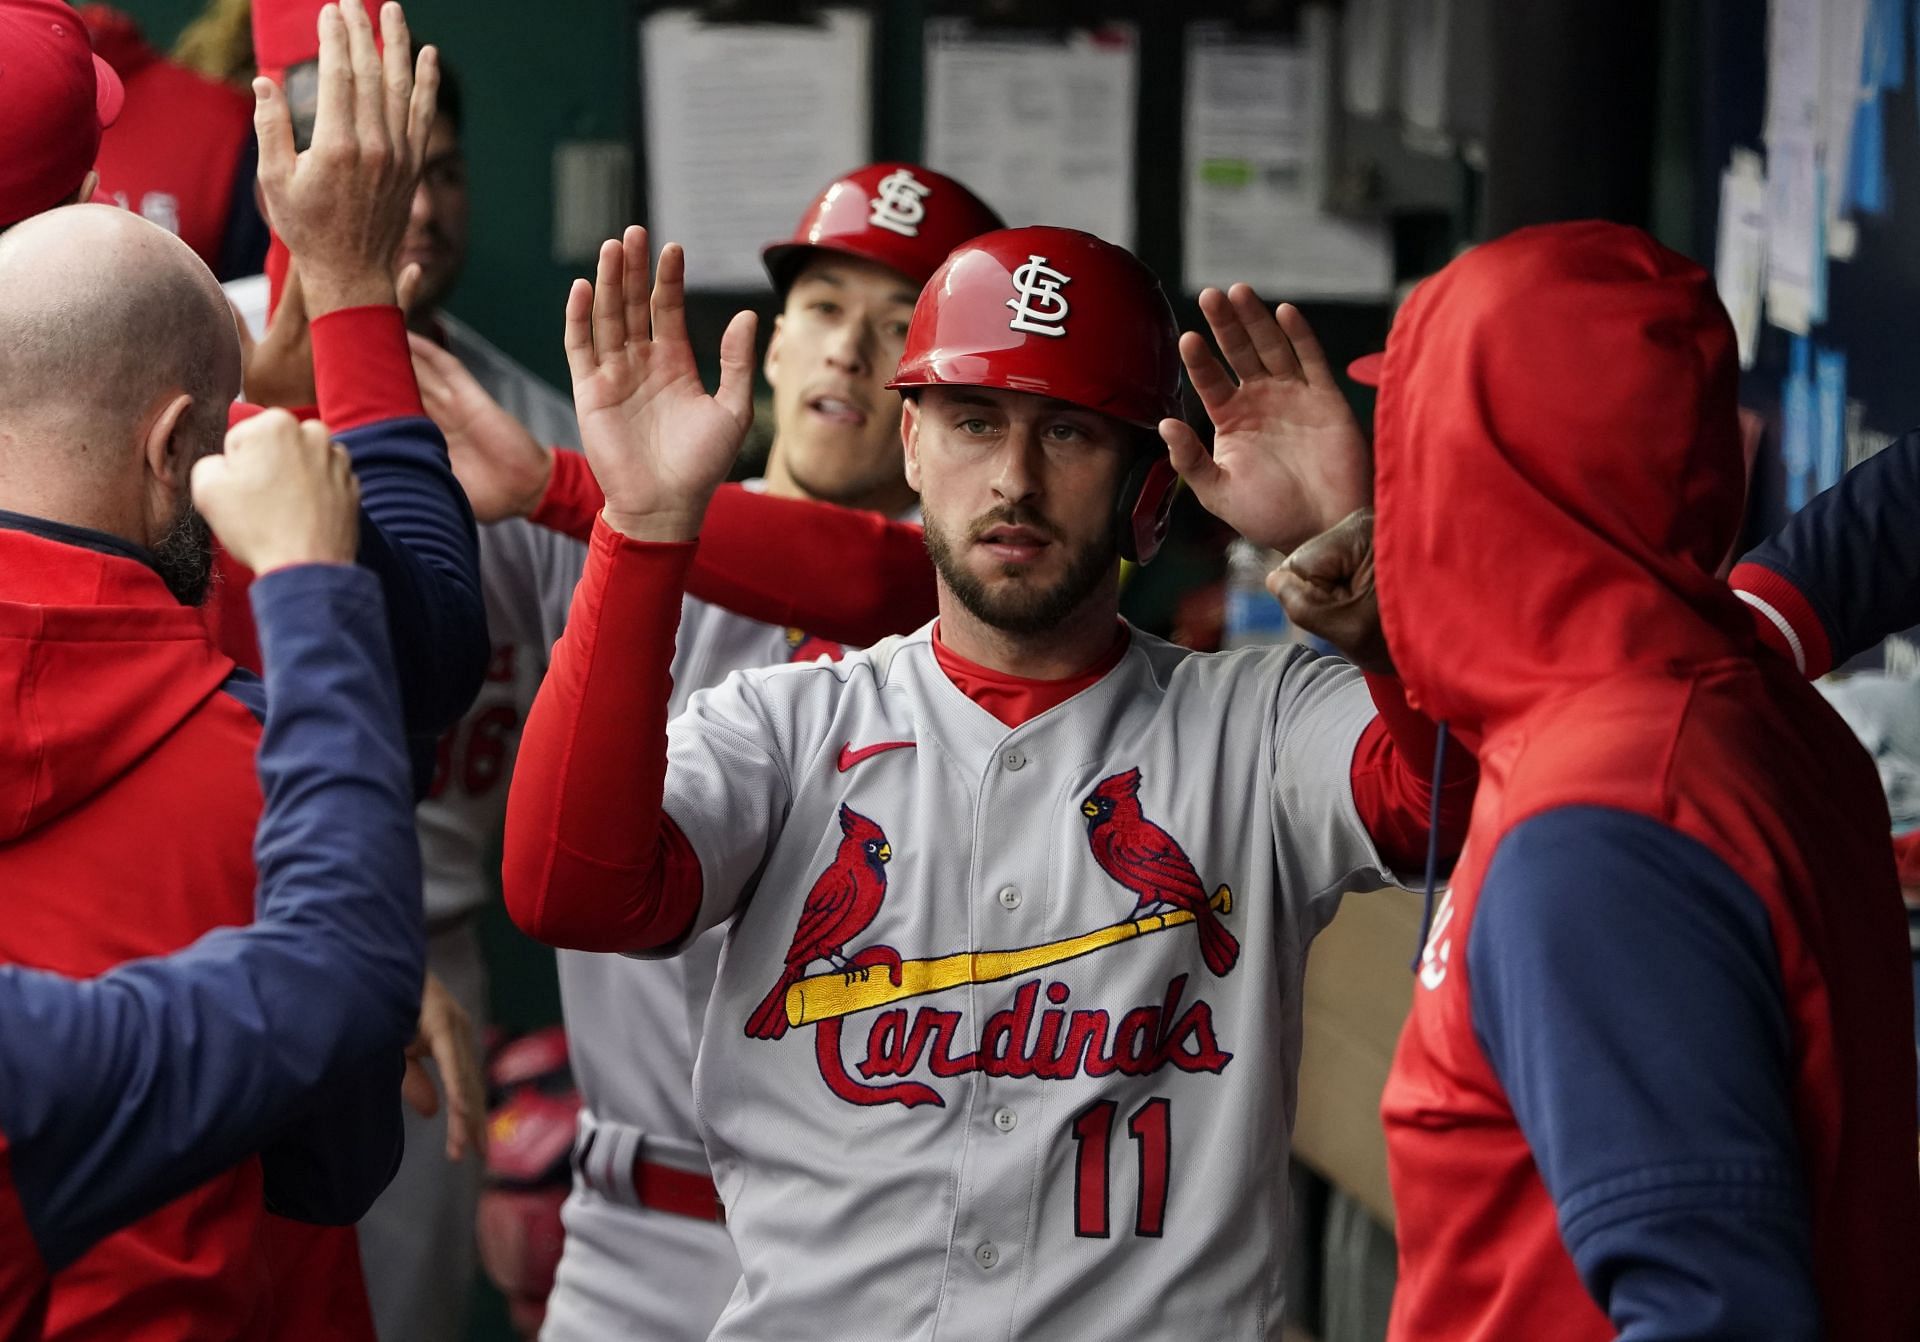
(834, 348)
(436, 238)
(1017, 492)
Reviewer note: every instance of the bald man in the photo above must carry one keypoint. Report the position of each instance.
(117, 364)
(127, 785)
(170, 1069)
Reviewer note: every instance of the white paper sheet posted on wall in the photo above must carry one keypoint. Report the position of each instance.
(1257, 130)
(746, 123)
(1039, 125)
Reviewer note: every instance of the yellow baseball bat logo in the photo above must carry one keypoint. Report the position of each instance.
(827, 996)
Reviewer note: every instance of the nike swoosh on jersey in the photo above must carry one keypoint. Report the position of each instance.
(850, 757)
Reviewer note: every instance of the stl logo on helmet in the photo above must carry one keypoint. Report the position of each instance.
(1039, 308)
(901, 204)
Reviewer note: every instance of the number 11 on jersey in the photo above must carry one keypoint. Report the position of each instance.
(1151, 1128)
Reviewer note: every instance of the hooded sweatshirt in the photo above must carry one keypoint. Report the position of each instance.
(128, 802)
(1658, 1080)
(119, 1093)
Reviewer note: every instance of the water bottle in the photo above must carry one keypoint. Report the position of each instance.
(1253, 617)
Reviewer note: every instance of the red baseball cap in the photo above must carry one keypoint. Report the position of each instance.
(1366, 369)
(56, 97)
(899, 215)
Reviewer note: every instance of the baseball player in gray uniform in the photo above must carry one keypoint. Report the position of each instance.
(646, 1252)
(1004, 1031)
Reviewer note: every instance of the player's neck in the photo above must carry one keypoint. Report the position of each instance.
(889, 500)
(1064, 649)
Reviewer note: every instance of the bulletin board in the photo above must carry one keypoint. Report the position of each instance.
(1872, 299)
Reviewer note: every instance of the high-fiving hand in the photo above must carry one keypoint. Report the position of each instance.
(1326, 587)
(341, 206)
(657, 442)
(1289, 460)
(503, 468)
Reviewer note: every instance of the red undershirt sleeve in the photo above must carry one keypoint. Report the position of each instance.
(1393, 782)
(590, 861)
(362, 368)
(839, 573)
(573, 498)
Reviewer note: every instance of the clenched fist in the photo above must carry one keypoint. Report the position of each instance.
(1326, 586)
(283, 493)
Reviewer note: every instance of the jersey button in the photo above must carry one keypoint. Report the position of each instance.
(1014, 761)
(1009, 897)
(987, 1256)
(1005, 1119)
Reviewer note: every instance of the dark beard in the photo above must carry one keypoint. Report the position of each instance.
(184, 557)
(1021, 612)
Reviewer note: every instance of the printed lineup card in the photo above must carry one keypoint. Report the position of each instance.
(745, 124)
(1256, 159)
(1040, 127)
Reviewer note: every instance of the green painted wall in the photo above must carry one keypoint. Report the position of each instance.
(532, 76)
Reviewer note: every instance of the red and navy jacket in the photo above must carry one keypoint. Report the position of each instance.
(196, 1269)
(416, 527)
(1658, 1080)
(122, 1092)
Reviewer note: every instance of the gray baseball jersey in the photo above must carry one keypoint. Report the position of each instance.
(1005, 1030)
(631, 1031)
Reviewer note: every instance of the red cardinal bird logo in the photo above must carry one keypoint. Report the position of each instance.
(1148, 861)
(842, 902)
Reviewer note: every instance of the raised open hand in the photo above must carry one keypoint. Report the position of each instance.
(658, 443)
(341, 205)
(1289, 459)
(503, 468)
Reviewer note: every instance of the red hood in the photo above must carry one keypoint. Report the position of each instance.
(117, 39)
(98, 664)
(1558, 472)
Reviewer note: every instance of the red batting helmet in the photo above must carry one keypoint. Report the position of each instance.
(1051, 311)
(1057, 312)
(900, 215)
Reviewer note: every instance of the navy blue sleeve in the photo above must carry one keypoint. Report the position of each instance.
(1626, 990)
(244, 240)
(417, 534)
(1854, 552)
(120, 1093)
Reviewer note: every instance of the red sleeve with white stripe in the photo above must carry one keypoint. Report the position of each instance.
(1783, 618)
(1845, 571)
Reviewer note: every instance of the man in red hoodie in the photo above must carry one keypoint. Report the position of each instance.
(195, 1270)
(168, 1070)
(1658, 1081)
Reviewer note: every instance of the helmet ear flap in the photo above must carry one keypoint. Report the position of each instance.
(1144, 507)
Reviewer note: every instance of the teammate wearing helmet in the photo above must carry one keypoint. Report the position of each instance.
(1003, 1040)
(783, 578)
